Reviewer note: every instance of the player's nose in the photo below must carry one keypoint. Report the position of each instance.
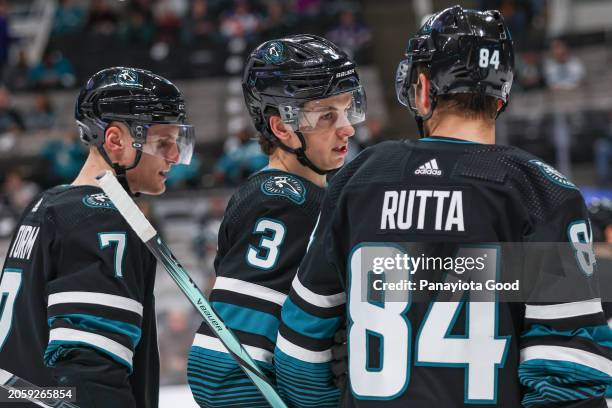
(345, 131)
(173, 155)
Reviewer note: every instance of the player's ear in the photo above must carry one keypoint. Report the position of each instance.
(279, 128)
(500, 104)
(423, 101)
(113, 140)
(116, 142)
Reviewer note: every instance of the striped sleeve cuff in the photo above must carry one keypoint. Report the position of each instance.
(106, 322)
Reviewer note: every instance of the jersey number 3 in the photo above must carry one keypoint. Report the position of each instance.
(265, 255)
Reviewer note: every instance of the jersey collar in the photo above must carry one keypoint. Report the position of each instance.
(445, 139)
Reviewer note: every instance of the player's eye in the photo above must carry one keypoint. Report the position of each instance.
(329, 116)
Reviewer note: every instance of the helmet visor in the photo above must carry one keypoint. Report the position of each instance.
(405, 86)
(341, 110)
(173, 142)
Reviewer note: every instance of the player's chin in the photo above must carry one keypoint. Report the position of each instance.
(156, 189)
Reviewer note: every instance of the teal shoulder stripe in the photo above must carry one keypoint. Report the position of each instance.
(248, 320)
(97, 324)
(307, 324)
(50, 356)
(601, 335)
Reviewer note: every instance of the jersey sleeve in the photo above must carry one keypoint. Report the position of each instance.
(256, 260)
(95, 301)
(566, 345)
(311, 315)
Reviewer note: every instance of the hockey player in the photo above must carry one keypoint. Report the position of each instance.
(304, 96)
(449, 192)
(77, 306)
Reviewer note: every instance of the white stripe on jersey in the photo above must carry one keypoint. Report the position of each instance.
(301, 353)
(571, 355)
(96, 298)
(563, 310)
(250, 289)
(213, 343)
(309, 296)
(111, 346)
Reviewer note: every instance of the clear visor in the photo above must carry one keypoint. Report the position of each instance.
(337, 111)
(172, 142)
(405, 88)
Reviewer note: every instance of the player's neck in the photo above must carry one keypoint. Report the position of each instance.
(290, 164)
(459, 127)
(94, 165)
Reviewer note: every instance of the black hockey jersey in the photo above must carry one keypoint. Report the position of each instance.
(262, 239)
(77, 301)
(400, 205)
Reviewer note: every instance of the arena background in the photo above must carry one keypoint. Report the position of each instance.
(560, 109)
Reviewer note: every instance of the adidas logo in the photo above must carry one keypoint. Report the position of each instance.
(429, 169)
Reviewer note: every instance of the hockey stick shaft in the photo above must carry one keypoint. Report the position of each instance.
(143, 228)
(10, 382)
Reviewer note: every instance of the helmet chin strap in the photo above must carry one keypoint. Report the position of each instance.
(121, 170)
(300, 152)
(420, 119)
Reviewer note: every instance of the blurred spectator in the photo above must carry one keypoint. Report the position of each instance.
(241, 21)
(69, 17)
(10, 118)
(515, 15)
(54, 71)
(242, 157)
(198, 25)
(138, 29)
(18, 190)
(102, 18)
(42, 117)
(64, 158)
(529, 73)
(308, 8)
(205, 241)
(277, 22)
(167, 15)
(561, 70)
(11, 121)
(177, 326)
(16, 76)
(350, 35)
(602, 150)
(5, 39)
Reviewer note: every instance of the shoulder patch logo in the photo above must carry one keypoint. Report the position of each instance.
(98, 200)
(286, 186)
(552, 174)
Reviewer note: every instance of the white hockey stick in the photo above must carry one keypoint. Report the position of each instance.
(11, 382)
(143, 228)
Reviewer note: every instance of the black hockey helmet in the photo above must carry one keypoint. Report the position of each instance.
(140, 99)
(285, 74)
(465, 51)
